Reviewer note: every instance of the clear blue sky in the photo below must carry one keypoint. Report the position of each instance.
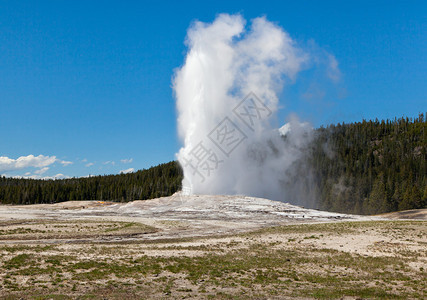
(89, 82)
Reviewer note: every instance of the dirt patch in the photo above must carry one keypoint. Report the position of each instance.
(414, 214)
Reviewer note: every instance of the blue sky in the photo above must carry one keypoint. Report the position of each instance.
(85, 86)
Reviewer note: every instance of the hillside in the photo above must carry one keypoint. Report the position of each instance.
(371, 167)
(368, 167)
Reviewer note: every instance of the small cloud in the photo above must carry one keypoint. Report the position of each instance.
(84, 160)
(109, 162)
(325, 61)
(89, 164)
(333, 70)
(126, 161)
(66, 163)
(41, 171)
(130, 170)
(57, 176)
(27, 174)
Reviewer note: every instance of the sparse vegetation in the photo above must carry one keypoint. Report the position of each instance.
(285, 261)
(49, 229)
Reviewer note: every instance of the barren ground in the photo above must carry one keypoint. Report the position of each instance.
(208, 247)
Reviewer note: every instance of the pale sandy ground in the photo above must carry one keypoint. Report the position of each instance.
(195, 226)
(181, 216)
(214, 218)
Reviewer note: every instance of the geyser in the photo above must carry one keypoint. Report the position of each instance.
(227, 98)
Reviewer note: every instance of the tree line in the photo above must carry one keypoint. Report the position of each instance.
(162, 180)
(367, 167)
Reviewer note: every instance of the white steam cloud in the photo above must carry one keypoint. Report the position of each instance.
(227, 96)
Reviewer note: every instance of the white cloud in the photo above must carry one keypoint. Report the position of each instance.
(84, 160)
(66, 163)
(130, 170)
(109, 162)
(333, 70)
(41, 171)
(325, 61)
(10, 164)
(89, 164)
(126, 161)
(88, 176)
(57, 176)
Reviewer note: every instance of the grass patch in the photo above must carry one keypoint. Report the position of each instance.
(257, 269)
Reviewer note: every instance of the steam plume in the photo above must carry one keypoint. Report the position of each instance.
(226, 95)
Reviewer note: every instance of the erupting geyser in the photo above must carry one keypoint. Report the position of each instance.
(227, 99)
